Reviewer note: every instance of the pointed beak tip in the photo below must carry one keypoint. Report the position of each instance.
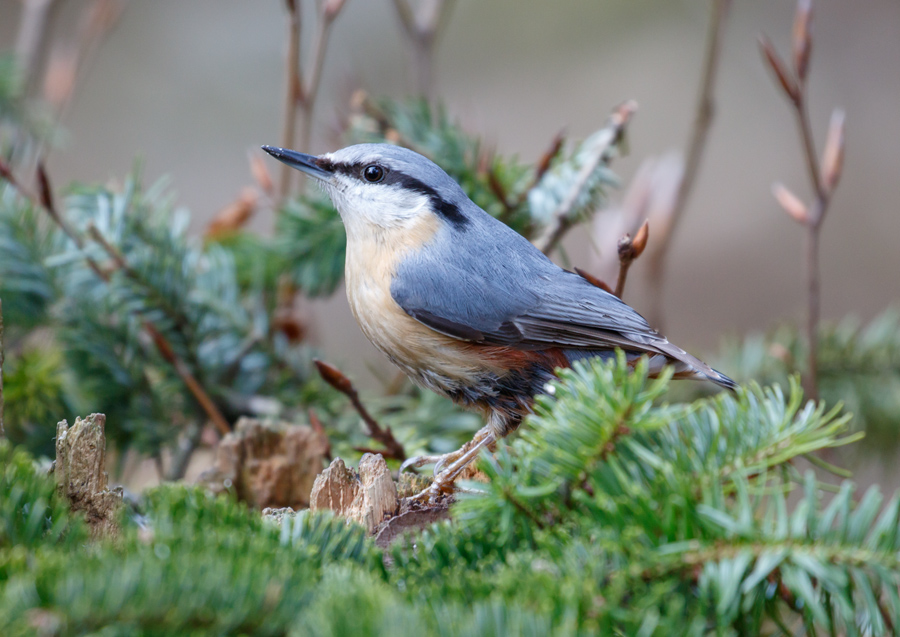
(301, 161)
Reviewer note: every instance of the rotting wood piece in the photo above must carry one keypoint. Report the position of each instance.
(80, 471)
(367, 497)
(268, 464)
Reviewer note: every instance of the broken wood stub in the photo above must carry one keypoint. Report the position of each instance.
(80, 471)
(268, 463)
(367, 497)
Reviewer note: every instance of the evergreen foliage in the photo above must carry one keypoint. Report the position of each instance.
(311, 243)
(611, 513)
(858, 366)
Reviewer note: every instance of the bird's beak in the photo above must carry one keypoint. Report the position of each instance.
(301, 161)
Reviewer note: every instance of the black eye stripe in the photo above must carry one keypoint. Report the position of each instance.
(446, 209)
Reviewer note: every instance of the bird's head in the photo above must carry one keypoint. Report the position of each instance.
(383, 186)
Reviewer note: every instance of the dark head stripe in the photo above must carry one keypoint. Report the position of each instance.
(446, 209)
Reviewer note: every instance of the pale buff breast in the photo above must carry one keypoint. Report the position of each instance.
(431, 359)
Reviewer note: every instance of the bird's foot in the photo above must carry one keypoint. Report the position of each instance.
(455, 463)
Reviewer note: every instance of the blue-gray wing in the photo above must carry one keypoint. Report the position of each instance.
(484, 283)
(505, 292)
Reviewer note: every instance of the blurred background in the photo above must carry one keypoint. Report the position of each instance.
(188, 89)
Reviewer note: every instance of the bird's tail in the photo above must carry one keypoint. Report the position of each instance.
(689, 366)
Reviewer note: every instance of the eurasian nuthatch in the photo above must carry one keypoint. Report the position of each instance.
(463, 304)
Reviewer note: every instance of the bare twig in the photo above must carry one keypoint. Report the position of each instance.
(595, 281)
(703, 117)
(300, 94)
(422, 29)
(334, 377)
(564, 216)
(292, 91)
(823, 176)
(630, 249)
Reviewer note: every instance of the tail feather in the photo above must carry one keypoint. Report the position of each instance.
(693, 367)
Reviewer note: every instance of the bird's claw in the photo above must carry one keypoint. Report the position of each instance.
(421, 461)
(449, 467)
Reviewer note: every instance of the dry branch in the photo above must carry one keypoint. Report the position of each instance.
(422, 30)
(301, 94)
(334, 377)
(823, 176)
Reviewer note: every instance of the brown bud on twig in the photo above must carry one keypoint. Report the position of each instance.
(334, 377)
(802, 38)
(640, 239)
(596, 282)
(630, 249)
(45, 192)
(833, 155)
(788, 84)
(291, 6)
(791, 204)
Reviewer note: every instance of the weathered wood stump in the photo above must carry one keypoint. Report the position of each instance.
(370, 497)
(268, 464)
(80, 471)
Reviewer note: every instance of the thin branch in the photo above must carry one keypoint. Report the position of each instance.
(422, 31)
(823, 176)
(291, 94)
(595, 281)
(630, 249)
(307, 98)
(334, 377)
(564, 216)
(299, 93)
(703, 117)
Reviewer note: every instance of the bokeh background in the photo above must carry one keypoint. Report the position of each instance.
(188, 88)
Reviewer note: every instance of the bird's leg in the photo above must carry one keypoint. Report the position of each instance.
(443, 481)
(440, 460)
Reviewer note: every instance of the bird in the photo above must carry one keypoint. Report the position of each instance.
(462, 303)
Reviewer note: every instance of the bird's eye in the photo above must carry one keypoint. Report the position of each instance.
(373, 173)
